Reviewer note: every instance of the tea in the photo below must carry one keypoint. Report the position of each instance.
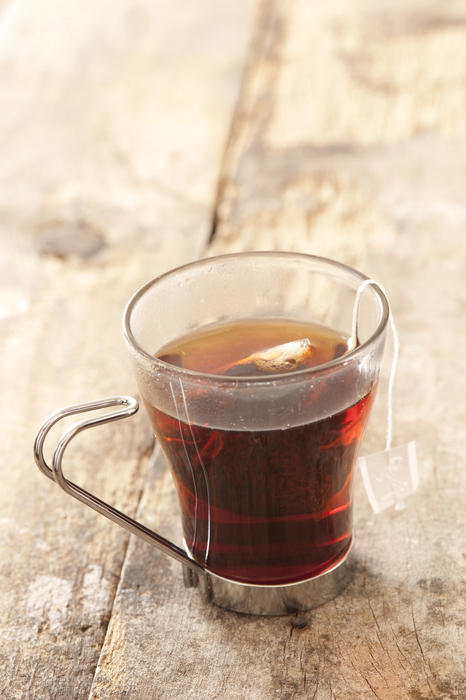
(263, 506)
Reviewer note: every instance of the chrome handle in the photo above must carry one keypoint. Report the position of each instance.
(130, 407)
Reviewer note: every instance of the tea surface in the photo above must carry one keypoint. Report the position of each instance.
(219, 348)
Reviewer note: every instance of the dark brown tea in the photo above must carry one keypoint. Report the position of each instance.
(263, 506)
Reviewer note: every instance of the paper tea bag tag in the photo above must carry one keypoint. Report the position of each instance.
(392, 475)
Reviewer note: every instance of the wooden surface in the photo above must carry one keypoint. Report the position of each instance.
(130, 133)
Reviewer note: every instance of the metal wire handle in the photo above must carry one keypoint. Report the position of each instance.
(130, 407)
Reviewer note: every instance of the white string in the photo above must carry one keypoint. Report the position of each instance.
(352, 342)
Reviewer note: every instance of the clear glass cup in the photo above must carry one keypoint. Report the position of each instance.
(263, 466)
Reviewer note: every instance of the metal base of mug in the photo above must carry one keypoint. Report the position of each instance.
(271, 600)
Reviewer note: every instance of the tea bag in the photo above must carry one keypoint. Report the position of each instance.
(280, 358)
(391, 475)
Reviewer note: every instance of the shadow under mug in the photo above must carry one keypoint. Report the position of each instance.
(263, 466)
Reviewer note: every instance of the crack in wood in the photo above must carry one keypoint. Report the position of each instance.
(249, 63)
(378, 630)
(425, 662)
(400, 650)
(303, 670)
(263, 46)
(371, 687)
(373, 664)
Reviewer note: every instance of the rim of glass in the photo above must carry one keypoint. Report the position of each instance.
(265, 378)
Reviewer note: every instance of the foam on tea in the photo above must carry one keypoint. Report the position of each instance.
(263, 506)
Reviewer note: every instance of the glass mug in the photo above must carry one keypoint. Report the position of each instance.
(262, 465)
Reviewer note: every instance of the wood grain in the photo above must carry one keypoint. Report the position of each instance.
(113, 122)
(348, 142)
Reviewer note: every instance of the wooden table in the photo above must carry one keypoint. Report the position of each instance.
(137, 136)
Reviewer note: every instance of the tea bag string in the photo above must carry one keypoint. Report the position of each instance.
(396, 348)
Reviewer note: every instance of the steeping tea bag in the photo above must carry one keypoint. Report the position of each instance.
(391, 475)
(280, 358)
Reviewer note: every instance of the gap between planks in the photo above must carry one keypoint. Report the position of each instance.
(266, 13)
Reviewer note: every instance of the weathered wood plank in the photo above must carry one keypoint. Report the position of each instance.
(113, 123)
(348, 142)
